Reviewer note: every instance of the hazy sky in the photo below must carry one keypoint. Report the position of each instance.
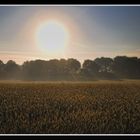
(94, 31)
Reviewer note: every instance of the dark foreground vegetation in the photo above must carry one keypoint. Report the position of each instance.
(70, 108)
(71, 69)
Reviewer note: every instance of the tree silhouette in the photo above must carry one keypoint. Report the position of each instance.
(71, 69)
(90, 69)
(11, 70)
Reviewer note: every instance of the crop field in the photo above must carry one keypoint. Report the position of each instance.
(99, 107)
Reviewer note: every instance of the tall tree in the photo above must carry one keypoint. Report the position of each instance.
(126, 67)
(90, 68)
(73, 66)
(12, 70)
(2, 72)
(104, 63)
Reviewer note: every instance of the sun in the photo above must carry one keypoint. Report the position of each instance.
(52, 37)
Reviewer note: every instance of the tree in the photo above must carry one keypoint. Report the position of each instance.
(126, 67)
(73, 66)
(104, 63)
(2, 73)
(63, 70)
(90, 68)
(11, 70)
(34, 70)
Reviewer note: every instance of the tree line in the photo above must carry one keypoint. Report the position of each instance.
(120, 67)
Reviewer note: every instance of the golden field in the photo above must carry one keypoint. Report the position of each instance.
(99, 107)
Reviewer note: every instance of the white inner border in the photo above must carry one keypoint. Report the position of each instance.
(68, 5)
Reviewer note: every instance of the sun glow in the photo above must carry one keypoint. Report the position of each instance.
(52, 37)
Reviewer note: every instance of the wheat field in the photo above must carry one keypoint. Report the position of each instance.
(99, 107)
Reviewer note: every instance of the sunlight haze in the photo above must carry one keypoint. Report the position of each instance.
(75, 32)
